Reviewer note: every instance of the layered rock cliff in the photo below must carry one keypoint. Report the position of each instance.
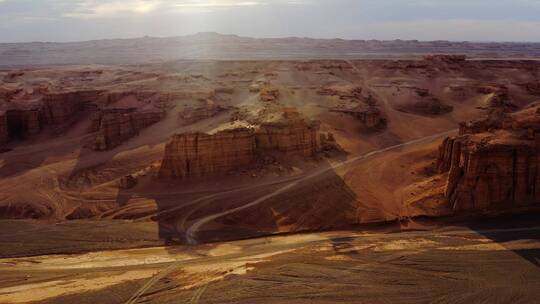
(371, 117)
(494, 164)
(291, 137)
(445, 58)
(114, 126)
(192, 115)
(62, 106)
(29, 113)
(197, 154)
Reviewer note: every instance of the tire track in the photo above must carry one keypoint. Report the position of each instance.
(192, 230)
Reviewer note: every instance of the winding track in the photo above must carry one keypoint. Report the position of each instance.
(192, 230)
(273, 248)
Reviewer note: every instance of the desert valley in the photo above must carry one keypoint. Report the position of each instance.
(318, 178)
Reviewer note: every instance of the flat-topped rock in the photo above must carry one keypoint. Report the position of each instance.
(199, 154)
(494, 163)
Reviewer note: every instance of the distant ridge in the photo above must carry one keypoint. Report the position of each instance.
(210, 45)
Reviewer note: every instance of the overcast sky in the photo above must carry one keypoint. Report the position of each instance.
(75, 20)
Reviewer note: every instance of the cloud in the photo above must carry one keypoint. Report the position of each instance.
(66, 20)
(107, 9)
(452, 29)
(90, 9)
(216, 3)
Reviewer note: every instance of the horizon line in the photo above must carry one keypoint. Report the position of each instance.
(274, 37)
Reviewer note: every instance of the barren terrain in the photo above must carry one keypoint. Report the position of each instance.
(126, 171)
(494, 261)
(203, 46)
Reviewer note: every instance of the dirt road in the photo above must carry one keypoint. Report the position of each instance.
(457, 264)
(192, 230)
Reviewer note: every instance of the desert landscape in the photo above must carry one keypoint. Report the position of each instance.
(330, 177)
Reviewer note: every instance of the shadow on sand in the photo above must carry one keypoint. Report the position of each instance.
(321, 202)
(516, 227)
(254, 208)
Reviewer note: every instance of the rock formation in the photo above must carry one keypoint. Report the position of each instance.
(269, 94)
(494, 164)
(370, 116)
(26, 115)
(445, 58)
(114, 126)
(363, 106)
(500, 99)
(405, 65)
(290, 136)
(62, 106)
(193, 115)
(198, 155)
(373, 118)
(495, 119)
(348, 93)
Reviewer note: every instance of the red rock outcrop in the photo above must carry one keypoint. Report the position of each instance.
(446, 58)
(354, 93)
(140, 95)
(28, 114)
(193, 115)
(497, 167)
(114, 126)
(373, 118)
(62, 106)
(289, 136)
(370, 116)
(495, 119)
(500, 99)
(269, 94)
(405, 65)
(198, 155)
